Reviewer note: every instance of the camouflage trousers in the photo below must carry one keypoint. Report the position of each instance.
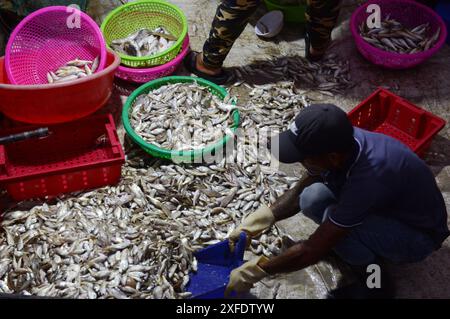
(232, 17)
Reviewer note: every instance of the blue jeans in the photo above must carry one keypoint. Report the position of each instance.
(377, 236)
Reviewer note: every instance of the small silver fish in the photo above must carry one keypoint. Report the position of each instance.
(394, 37)
(73, 70)
(144, 42)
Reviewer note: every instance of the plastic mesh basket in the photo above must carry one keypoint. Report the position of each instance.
(44, 41)
(76, 156)
(176, 155)
(149, 14)
(410, 14)
(387, 113)
(145, 75)
(58, 102)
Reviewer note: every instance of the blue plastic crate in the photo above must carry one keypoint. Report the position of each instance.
(215, 264)
(443, 9)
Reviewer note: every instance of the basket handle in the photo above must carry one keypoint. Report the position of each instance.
(112, 136)
(416, 124)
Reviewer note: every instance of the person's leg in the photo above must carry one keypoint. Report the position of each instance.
(377, 240)
(314, 200)
(321, 18)
(230, 20)
(376, 237)
(387, 238)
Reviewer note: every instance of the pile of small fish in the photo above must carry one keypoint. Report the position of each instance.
(145, 42)
(73, 70)
(329, 76)
(181, 117)
(108, 243)
(394, 37)
(136, 239)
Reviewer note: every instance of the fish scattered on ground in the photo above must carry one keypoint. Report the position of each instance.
(73, 70)
(392, 36)
(134, 240)
(330, 76)
(137, 239)
(145, 42)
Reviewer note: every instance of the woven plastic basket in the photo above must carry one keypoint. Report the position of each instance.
(177, 156)
(58, 102)
(68, 160)
(384, 112)
(410, 14)
(150, 14)
(144, 75)
(44, 41)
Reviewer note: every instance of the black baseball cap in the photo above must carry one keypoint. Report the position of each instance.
(318, 129)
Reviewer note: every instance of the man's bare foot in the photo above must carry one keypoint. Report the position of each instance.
(203, 68)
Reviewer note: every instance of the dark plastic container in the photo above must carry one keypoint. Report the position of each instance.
(384, 112)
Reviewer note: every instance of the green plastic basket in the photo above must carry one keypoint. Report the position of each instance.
(150, 14)
(190, 156)
(292, 14)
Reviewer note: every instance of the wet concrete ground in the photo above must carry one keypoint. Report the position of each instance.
(427, 86)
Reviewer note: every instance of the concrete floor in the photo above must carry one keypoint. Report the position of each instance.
(427, 86)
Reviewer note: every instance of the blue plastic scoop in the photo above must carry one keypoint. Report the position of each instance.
(215, 264)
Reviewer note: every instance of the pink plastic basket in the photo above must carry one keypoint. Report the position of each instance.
(410, 14)
(45, 41)
(148, 74)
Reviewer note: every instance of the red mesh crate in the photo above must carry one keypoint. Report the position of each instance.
(76, 156)
(387, 113)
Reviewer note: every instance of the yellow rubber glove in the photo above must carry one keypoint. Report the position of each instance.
(254, 224)
(244, 277)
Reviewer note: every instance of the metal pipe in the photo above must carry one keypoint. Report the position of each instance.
(42, 132)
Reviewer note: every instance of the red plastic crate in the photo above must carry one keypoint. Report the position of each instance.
(76, 156)
(385, 112)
